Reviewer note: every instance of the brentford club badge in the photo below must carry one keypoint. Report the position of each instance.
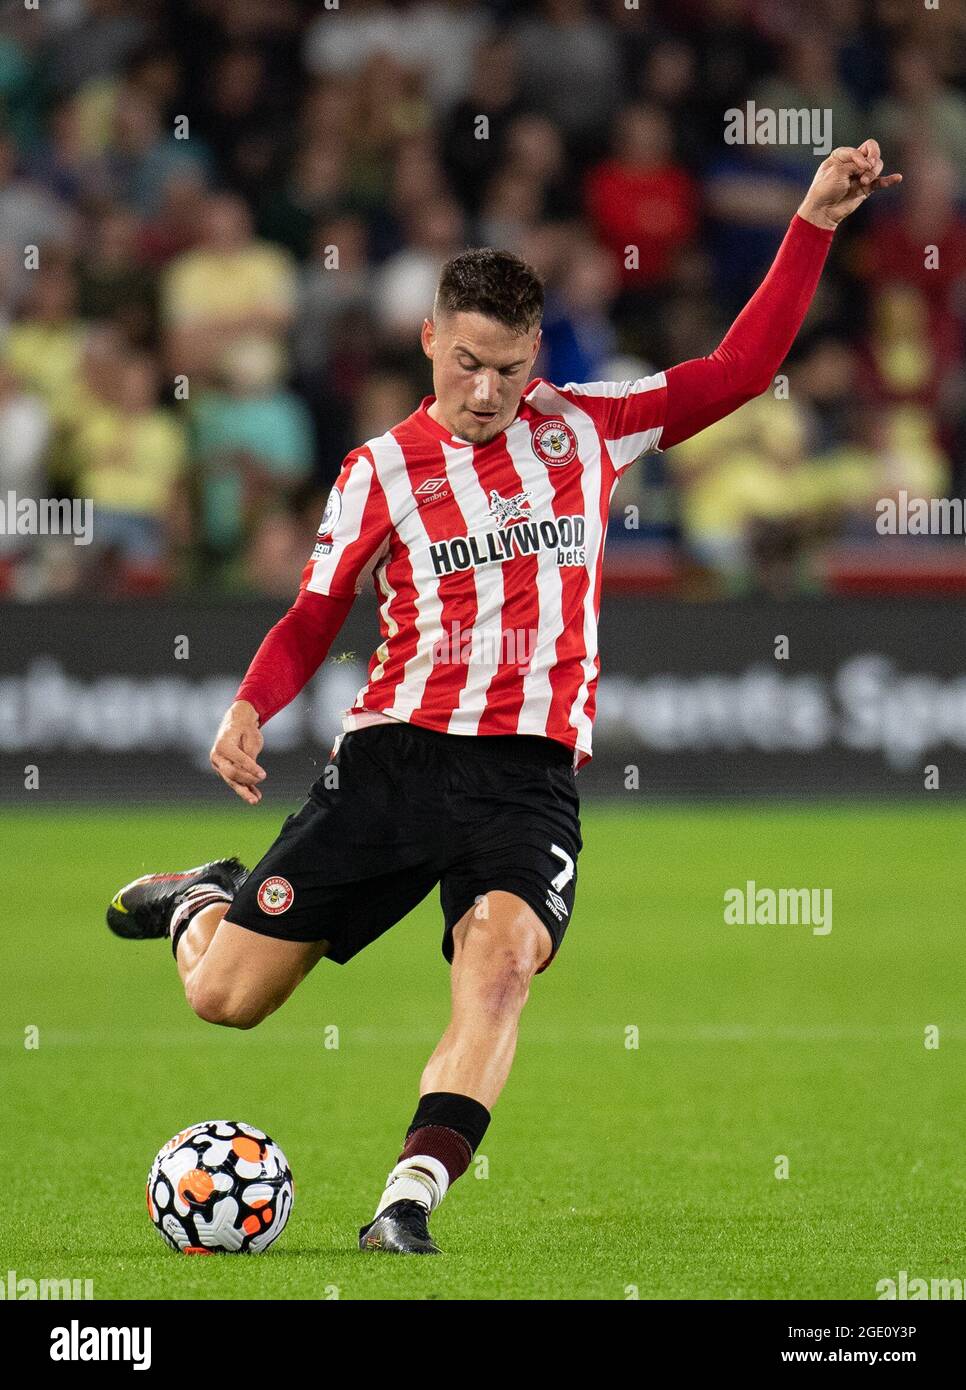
(554, 442)
(275, 896)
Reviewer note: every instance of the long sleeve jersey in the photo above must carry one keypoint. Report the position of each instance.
(486, 558)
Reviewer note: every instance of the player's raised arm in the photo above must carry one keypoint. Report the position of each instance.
(743, 365)
(352, 534)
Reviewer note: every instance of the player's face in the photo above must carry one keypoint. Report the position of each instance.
(480, 368)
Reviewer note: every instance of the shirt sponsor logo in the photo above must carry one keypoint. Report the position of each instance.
(565, 534)
(555, 443)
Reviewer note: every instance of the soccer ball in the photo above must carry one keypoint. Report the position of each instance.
(220, 1186)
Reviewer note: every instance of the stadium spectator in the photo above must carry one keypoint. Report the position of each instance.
(24, 435)
(131, 456)
(920, 106)
(565, 49)
(578, 334)
(230, 287)
(29, 216)
(642, 204)
(336, 281)
(253, 441)
(808, 81)
(44, 347)
(140, 156)
(93, 45)
(437, 38)
(113, 282)
(406, 282)
(473, 134)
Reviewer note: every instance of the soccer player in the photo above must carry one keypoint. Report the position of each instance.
(481, 519)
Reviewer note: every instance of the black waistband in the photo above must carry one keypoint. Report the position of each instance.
(530, 748)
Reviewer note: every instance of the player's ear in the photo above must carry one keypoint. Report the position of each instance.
(428, 337)
(536, 345)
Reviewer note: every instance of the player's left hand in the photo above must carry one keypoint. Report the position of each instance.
(843, 181)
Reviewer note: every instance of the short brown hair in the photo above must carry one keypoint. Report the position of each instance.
(495, 283)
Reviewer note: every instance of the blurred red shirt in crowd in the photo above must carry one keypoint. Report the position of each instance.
(641, 198)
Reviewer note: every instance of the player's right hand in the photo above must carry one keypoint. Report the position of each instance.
(237, 745)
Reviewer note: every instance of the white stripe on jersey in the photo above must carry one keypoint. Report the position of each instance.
(611, 389)
(473, 502)
(629, 447)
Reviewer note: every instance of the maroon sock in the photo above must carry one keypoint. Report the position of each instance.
(445, 1145)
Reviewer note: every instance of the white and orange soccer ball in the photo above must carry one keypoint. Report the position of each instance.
(220, 1187)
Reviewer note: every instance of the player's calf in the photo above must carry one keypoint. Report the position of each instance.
(497, 949)
(187, 907)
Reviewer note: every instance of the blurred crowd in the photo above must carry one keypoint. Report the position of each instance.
(240, 208)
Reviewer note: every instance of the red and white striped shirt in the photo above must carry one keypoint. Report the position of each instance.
(487, 558)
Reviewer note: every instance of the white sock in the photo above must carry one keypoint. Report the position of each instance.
(418, 1179)
(200, 896)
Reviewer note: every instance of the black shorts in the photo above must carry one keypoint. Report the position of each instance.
(401, 809)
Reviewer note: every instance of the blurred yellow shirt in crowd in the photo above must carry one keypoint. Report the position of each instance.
(130, 463)
(204, 285)
(47, 359)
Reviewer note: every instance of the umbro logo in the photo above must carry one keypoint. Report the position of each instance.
(432, 490)
(556, 905)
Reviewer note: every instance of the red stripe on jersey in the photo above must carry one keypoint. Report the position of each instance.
(397, 623)
(456, 595)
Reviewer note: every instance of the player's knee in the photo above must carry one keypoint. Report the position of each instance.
(228, 1009)
(505, 955)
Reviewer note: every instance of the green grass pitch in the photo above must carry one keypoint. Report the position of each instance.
(610, 1169)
